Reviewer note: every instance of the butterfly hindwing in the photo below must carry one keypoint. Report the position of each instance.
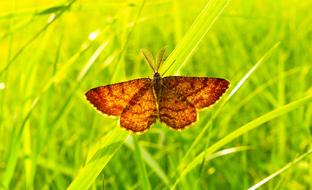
(141, 111)
(112, 99)
(199, 91)
(175, 110)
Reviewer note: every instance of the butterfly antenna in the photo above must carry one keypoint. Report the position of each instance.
(149, 58)
(160, 57)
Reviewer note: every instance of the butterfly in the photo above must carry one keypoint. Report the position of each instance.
(173, 99)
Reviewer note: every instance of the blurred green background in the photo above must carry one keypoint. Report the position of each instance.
(52, 52)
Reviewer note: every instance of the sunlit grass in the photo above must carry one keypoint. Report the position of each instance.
(258, 135)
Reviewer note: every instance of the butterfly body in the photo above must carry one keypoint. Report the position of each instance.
(157, 84)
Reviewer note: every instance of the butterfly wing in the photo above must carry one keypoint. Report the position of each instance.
(175, 110)
(112, 99)
(141, 111)
(199, 91)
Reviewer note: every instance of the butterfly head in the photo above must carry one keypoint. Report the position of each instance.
(156, 76)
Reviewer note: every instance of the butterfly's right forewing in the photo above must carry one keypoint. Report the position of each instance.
(112, 99)
(199, 91)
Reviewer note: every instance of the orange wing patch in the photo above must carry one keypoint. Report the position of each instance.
(141, 111)
(112, 99)
(199, 91)
(175, 110)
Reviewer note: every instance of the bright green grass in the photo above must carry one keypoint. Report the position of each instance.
(258, 135)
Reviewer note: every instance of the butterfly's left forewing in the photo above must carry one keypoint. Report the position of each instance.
(112, 99)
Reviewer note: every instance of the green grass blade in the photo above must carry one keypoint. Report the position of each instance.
(259, 62)
(126, 42)
(184, 50)
(258, 90)
(187, 156)
(34, 37)
(16, 140)
(88, 174)
(280, 171)
(62, 111)
(52, 9)
(259, 121)
(145, 184)
(150, 161)
(245, 129)
(201, 156)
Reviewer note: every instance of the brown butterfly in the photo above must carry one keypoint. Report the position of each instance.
(172, 99)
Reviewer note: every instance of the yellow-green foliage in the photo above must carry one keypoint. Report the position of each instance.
(258, 135)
